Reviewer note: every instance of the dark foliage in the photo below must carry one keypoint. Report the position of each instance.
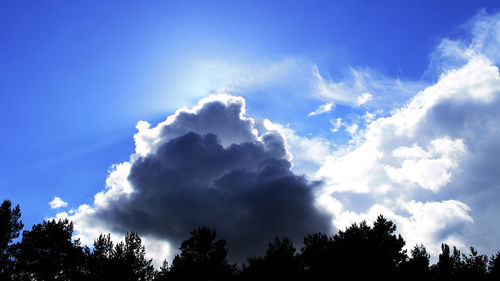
(10, 226)
(458, 266)
(101, 265)
(417, 266)
(47, 252)
(279, 263)
(494, 267)
(123, 261)
(201, 258)
(360, 252)
(315, 255)
(365, 252)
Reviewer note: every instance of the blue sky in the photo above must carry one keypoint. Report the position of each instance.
(76, 77)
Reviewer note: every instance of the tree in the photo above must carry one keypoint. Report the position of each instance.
(417, 267)
(162, 274)
(280, 256)
(279, 263)
(128, 260)
(10, 226)
(100, 260)
(474, 266)
(448, 264)
(363, 252)
(387, 245)
(494, 267)
(47, 252)
(315, 255)
(201, 258)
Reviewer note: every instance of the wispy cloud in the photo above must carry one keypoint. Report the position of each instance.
(362, 85)
(324, 108)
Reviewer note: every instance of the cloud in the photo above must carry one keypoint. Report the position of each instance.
(250, 76)
(327, 107)
(57, 203)
(431, 165)
(352, 129)
(429, 169)
(337, 124)
(307, 154)
(207, 166)
(481, 39)
(426, 156)
(364, 98)
(361, 85)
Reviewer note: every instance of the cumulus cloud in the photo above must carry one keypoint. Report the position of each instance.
(421, 165)
(207, 166)
(429, 169)
(57, 202)
(432, 164)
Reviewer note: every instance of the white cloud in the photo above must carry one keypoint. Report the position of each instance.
(430, 169)
(360, 86)
(147, 140)
(484, 39)
(57, 203)
(364, 98)
(327, 107)
(306, 154)
(352, 129)
(436, 142)
(337, 124)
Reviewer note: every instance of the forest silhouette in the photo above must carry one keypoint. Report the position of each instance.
(360, 252)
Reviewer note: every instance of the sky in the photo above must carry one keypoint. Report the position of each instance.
(256, 118)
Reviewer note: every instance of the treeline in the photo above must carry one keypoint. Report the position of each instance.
(360, 252)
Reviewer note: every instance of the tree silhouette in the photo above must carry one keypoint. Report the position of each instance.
(279, 263)
(448, 264)
(129, 262)
(162, 274)
(474, 266)
(494, 267)
(201, 258)
(123, 261)
(417, 267)
(315, 255)
(386, 248)
(101, 259)
(360, 252)
(10, 226)
(47, 252)
(363, 252)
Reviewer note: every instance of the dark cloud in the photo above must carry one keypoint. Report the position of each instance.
(245, 190)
